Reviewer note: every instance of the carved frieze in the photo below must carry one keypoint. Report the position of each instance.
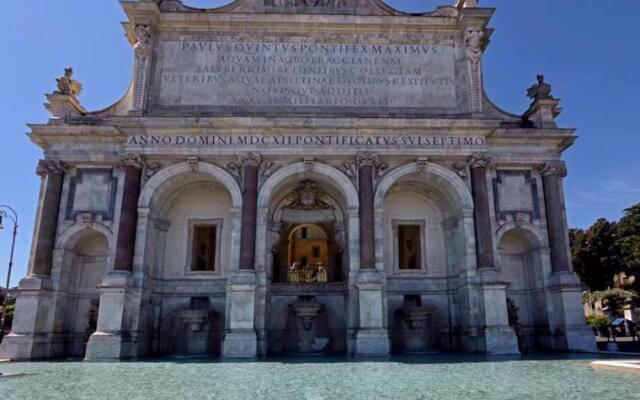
(337, 4)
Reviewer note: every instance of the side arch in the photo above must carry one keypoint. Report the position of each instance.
(162, 179)
(454, 188)
(73, 234)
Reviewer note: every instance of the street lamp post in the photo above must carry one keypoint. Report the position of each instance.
(14, 219)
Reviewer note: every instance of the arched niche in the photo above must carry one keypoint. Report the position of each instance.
(80, 264)
(521, 264)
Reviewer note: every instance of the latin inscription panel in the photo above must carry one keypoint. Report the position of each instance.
(244, 74)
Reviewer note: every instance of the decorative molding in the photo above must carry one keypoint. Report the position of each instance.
(350, 169)
(473, 39)
(555, 167)
(445, 11)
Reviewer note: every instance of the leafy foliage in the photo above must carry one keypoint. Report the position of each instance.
(598, 322)
(629, 237)
(595, 254)
(617, 298)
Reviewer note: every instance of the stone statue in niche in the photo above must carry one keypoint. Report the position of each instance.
(540, 90)
(67, 85)
(308, 196)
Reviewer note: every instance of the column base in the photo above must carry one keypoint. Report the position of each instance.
(500, 340)
(103, 346)
(240, 345)
(580, 338)
(18, 347)
(372, 343)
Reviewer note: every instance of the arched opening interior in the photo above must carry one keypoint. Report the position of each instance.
(422, 234)
(189, 243)
(520, 266)
(307, 262)
(86, 264)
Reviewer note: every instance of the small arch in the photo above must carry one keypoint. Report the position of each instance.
(529, 231)
(73, 234)
(323, 172)
(454, 187)
(163, 178)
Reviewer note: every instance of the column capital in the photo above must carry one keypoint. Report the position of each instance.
(130, 160)
(366, 159)
(481, 160)
(250, 159)
(46, 167)
(555, 167)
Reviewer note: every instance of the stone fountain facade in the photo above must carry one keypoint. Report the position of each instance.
(345, 137)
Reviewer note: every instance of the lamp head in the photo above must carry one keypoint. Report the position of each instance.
(1, 226)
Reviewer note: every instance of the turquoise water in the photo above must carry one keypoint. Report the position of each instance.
(412, 378)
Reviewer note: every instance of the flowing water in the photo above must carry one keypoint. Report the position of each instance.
(413, 378)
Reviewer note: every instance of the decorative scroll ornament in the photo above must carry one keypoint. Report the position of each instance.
(481, 161)
(473, 44)
(67, 85)
(555, 167)
(142, 48)
(46, 167)
(130, 160)
(540, 90)
(308, 196)
(351, 171)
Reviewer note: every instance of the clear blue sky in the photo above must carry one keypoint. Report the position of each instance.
(588, 50)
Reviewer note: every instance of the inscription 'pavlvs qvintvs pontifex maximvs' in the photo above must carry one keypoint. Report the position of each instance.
(307, 74)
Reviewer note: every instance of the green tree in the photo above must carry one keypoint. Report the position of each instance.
(595, 254)
(629, 238)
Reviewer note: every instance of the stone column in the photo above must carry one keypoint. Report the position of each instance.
(365, 185)
(112, 340)
(372, 337)
(52, 173)
(481, 212)
(240, 340)
(132, 166)
(31, 333)
(250, 173)
(552, 174)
